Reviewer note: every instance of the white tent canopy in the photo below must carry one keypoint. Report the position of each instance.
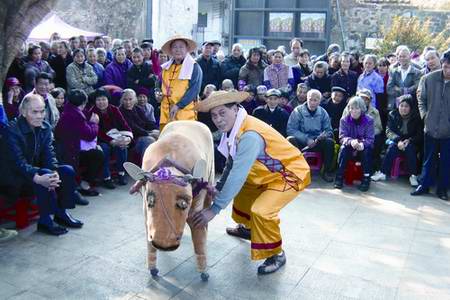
(48, 26)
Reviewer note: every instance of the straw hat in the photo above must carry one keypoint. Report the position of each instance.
(191, 45)
(220, 98)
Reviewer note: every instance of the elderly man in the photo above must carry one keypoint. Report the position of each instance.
(264, 173)
(42, 89)
(432, 62)
(434, 106)
(35, 167)
(212, 74)
(181, 81)
(233, 63)
(319, 79)
(296, 45)
(309, 128)
(403, 79)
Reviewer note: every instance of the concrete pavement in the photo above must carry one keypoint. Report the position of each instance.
(383, 244)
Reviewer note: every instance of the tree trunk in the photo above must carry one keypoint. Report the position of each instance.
(18, 18)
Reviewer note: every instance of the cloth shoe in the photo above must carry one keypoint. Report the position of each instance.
(67, 220)
(51, 229)
(80, 200)
(272, 264)
(239, 231)
(122, 180)
(327, 177)
(7, 234)
(378, 176)
(420, 190)
(365, 184)
(442, 195)
(90, 192)
(413, 180)
(338, 182)
(107, 183)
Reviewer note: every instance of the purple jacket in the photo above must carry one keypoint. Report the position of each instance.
(363, 130)
(72, 127)
(116, 74)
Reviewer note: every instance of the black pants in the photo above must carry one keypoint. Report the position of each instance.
(92, 162)
(326, 149)
(378, 146)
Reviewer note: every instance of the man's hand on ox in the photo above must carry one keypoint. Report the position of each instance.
(202, 218)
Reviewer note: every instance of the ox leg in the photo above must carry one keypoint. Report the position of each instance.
(199, 240)
(151, 251)
(151, 259)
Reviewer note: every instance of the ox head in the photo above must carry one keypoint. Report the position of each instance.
(168, 197)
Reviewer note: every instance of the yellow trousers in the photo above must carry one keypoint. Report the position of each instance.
(186, 113)
(257, 207)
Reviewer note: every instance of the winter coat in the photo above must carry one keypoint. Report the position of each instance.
(116, 74)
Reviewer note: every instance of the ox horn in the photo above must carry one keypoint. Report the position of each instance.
(199, 171)
(137, 173)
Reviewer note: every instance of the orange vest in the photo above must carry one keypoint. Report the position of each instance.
(173, 89)
(282, 166)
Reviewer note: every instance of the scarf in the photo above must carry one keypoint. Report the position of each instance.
(187, 67)
(228, 143)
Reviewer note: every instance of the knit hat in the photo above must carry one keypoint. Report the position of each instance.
(338, 89)
(261, 89)
(364, 93)
(143, 91)
(12, 81)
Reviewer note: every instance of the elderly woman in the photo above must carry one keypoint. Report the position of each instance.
(319, 79)
(59, 94)
(79, 74)
(99, 70)
(356, 134)
(76, 137)
(252, 73)
(404, 136)
(34, 67)
(278, 75)
(181, 81)
(114, 136)
(13, 97)
(264, 173)
(102, 57)
(370, 79)
(144, 131)
(116, 71)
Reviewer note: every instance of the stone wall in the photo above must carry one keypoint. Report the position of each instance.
(116, 18)
(364, 18)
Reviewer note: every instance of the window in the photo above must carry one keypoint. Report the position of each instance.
(313, 24)
(249, 23)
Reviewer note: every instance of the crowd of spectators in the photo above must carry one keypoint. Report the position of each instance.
(100, 100)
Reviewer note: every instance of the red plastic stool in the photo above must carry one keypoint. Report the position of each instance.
(399, 167)
(353, 172)
(22, 213)
(314, 160)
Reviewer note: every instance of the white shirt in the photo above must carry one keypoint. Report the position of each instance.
(404, 72)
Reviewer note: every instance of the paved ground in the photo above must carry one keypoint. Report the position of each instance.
(339, 245)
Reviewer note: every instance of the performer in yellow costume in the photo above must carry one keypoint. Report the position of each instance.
(181, 81)
(264, 172)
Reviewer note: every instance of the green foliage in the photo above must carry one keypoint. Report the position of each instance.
(412, 32)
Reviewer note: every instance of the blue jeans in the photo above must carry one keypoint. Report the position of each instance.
(393, 152)
(121, 157)
(142, 143)
(64, 196)
(432, 148)
(347, 152)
